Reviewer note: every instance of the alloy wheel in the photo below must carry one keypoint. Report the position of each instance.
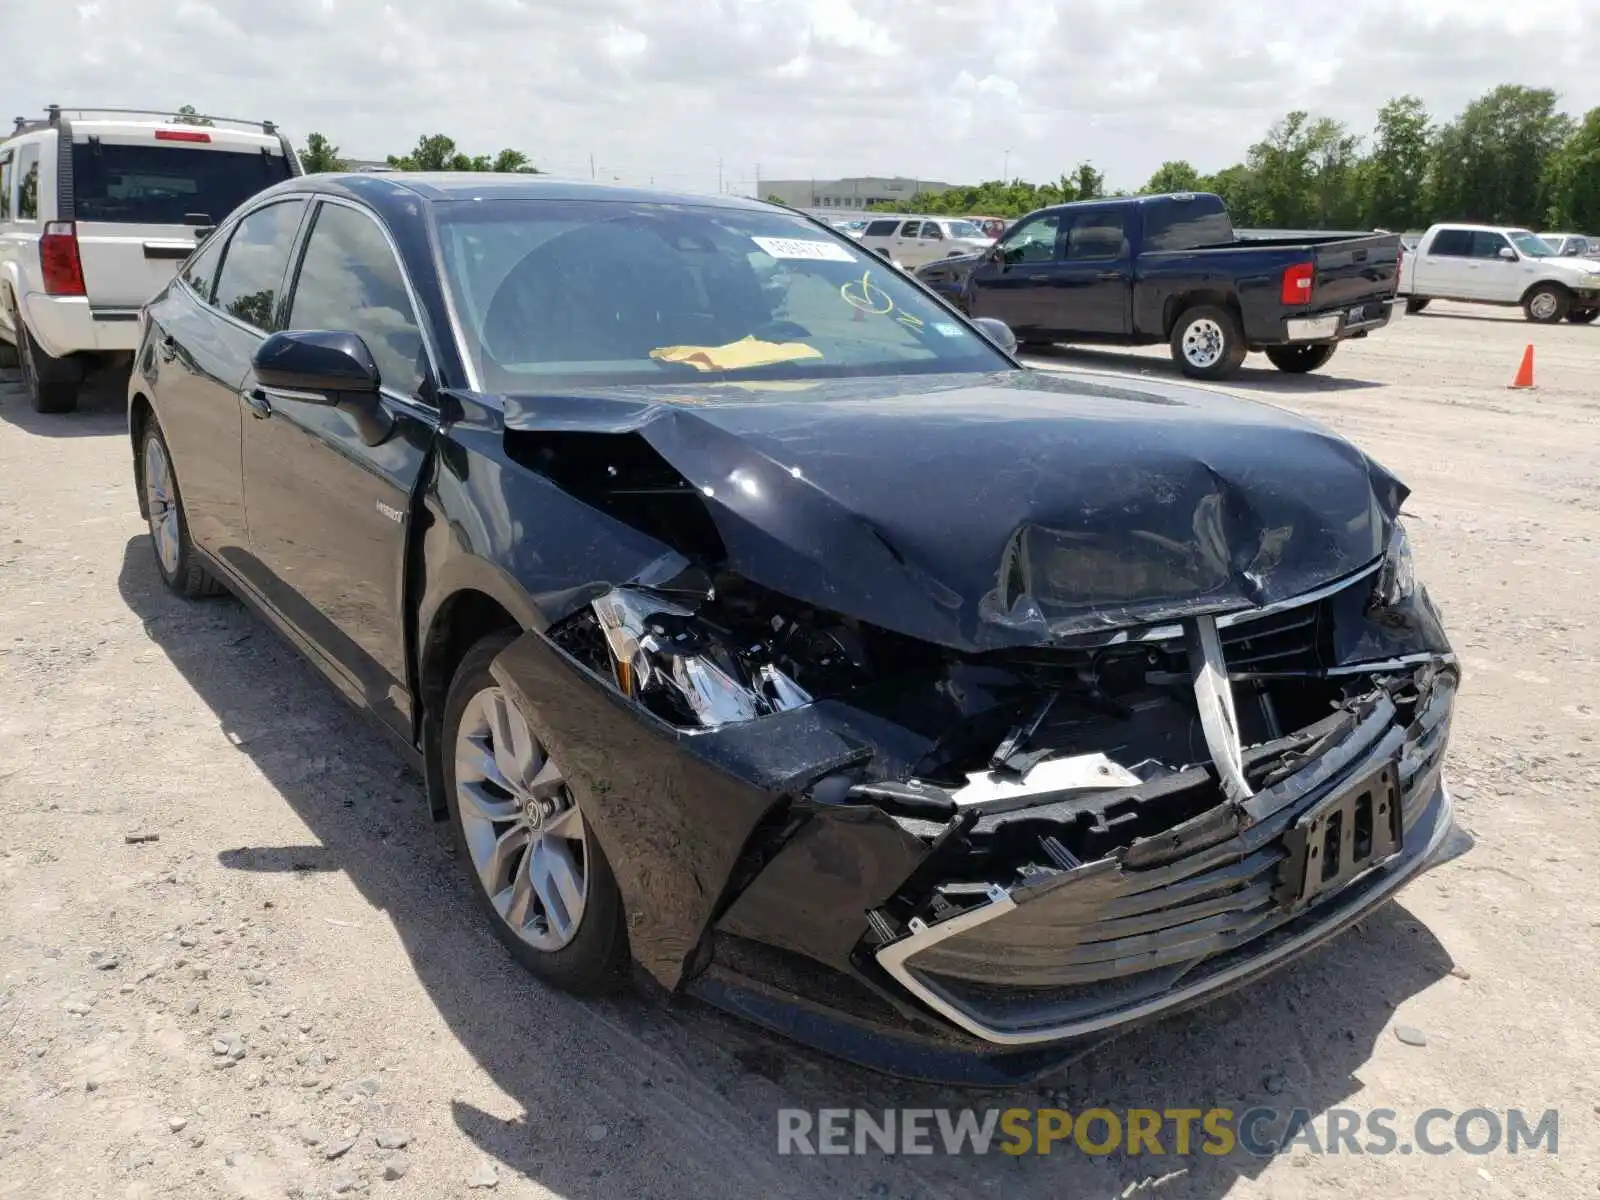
(1543, 306)
(521, 824)
(162, 501)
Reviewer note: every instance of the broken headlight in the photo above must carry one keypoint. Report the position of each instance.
(685, 669)
(1397, 576)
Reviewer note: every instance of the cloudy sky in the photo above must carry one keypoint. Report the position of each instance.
(663, 89)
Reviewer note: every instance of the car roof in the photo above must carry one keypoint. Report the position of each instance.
(448, 186)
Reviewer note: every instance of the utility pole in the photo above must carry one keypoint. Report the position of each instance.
(1005, 171)
(591, 164)
(719, 174)
(758, 181)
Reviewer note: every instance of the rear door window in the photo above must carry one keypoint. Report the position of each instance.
(255, 262)
(1452, 243)
(350, 281)
(878, 229)
(200, 272)
(1097, 233)
(165, 185)
(911, 229)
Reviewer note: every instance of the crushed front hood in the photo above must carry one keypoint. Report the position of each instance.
(985, 511)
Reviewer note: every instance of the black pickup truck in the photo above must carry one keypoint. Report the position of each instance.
(1142, 270)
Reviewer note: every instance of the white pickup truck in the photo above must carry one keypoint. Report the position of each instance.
(1490, 265)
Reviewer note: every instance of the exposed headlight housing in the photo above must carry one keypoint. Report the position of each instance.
(1397, 577)
(661, 651)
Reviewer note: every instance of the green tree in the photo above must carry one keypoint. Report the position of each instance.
(513, 162)
(1490, 163)
(188, 114)
(433, 152)
(1281, 165)
(1088, 184)
(1394, 174)
(1173, 176)
(320, 155)
(1572, 180)
(1334, 158)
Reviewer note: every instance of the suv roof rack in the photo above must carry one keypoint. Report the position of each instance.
(54, 111)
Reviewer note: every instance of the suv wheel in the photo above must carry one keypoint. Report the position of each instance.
(1583, 316)
(1547, 304)
(176, 559)
(534, 863)
(1207, 343)
(46, 394)
(1416, 304)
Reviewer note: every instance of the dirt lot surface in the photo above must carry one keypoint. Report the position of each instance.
(253, 1004)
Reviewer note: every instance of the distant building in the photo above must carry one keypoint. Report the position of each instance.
(854, 194)
(369, 165)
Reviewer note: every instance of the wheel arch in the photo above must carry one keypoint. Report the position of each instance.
(476, 602)
(1181, 302)
(1540, 284)
(140, 413)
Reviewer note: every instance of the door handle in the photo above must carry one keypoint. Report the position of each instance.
(1110, 276)
(256, 401)
(1040, 278)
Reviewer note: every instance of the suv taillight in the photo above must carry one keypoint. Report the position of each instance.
(1399, 266)
(1297, 281)
(59, 261)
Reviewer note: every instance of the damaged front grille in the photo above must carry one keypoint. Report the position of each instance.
(1066, 913)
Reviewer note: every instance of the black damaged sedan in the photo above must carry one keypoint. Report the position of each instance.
(759, 623)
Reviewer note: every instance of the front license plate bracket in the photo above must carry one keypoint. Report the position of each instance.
(1344, 834)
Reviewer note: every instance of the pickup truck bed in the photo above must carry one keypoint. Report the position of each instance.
(1150, 269)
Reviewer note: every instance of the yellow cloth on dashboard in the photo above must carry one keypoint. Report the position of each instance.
(746, 352)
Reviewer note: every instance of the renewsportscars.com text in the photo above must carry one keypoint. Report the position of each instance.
(1262, 1132)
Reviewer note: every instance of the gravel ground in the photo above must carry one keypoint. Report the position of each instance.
(287, 993)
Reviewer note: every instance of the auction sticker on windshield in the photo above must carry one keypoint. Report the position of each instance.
(803, 248)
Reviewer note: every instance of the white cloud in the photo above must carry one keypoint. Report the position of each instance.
(663, 89)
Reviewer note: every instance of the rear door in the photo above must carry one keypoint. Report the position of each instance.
(142, 194)
(907, 249)
(1444, 266)
(328, 510)
(205, 332)
(879, 235)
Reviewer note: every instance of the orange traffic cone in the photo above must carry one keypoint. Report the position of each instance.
(1524, 377)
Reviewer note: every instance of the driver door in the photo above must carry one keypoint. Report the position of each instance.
(1013, 283)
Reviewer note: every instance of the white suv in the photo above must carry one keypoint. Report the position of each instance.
(98, 207)
(911, 242)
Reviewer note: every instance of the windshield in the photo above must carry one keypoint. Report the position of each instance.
(1530, 244)
(964, 229)
(162, 185)
(639, 292)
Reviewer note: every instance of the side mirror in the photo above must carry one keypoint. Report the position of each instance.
(1507, 253)
(317, 363)
(997, 332)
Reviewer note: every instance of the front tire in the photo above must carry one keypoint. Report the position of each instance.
(1547, 304)
(1416, 305)
(1297, 360)
(1207, 343)
(1583, 316)
(534, 864)
(176, 558)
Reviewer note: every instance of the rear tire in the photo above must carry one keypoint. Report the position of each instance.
(1297, 360)
(1547, 304)
(1207, 342)
(1416, 305)
(176, 558)
(578, 942)
(47, 393)
(1583, 316)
